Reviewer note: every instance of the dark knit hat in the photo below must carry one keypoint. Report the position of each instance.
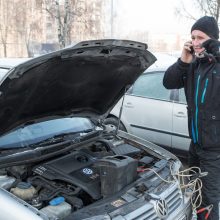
(208, 25)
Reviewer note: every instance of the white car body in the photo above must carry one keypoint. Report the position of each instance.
(156, 114)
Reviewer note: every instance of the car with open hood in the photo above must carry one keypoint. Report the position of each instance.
(58, 160)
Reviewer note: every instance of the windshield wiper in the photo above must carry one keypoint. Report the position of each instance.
(33, 153)
(74, 136)
(43, 152)
(66, 134)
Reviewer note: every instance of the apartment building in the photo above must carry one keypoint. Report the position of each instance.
(31, 27)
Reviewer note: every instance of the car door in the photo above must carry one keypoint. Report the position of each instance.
(147, 109)
(180, 136)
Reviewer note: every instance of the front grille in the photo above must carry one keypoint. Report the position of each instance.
(173, 198)
(146, 212)
(171, 195)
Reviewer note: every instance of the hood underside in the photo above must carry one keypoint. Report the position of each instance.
(85, 80)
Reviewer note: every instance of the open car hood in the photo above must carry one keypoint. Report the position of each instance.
(87, 79)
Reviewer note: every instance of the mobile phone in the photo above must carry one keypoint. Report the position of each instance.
(191, 50)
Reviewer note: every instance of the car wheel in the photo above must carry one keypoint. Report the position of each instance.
(113, 122)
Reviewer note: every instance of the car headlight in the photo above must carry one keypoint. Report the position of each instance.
(99, 217)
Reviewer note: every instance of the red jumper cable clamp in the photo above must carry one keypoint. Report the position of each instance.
(208, 209)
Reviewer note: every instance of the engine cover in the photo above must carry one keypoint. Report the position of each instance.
(76, 168)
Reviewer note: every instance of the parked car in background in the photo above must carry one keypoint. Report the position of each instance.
(58, 161)
(152, 112)
(7, 63)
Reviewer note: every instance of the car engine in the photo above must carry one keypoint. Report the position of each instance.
(55, 188)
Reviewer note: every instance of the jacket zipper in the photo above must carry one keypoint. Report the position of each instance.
(204, 91)
(196, 113)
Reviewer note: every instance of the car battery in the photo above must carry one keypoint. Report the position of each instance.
(116, 172)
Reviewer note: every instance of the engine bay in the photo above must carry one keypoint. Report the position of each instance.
(79, 178)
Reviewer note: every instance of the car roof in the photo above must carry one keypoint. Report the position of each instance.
(164, 60)
(8, 63)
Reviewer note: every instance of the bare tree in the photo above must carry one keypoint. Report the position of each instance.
(26, 23)
(205, 7)
(92, 22)
(5, 23)
(64, 14)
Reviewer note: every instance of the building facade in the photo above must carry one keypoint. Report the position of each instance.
(31, 27)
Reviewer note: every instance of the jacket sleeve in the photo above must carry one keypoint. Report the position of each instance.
(175, 74)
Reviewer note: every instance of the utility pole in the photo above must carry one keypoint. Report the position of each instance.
(112, 17)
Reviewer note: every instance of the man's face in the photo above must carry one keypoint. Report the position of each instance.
(198, 37)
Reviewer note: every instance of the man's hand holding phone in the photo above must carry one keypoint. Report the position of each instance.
(187, 52)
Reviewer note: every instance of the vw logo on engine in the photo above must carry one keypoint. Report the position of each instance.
(87, 171)
(161, 208)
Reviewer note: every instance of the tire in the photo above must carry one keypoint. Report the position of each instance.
(114, 123)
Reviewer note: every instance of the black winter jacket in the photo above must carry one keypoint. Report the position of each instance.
(201, 81)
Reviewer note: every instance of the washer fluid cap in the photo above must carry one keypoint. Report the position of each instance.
(57, 201)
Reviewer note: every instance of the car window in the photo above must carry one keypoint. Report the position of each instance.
(150, 85)
(182, 97)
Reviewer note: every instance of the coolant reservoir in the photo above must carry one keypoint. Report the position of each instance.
(58, 208)
(6, 181)
(24, 191)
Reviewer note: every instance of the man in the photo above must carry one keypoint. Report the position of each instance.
(198, 71)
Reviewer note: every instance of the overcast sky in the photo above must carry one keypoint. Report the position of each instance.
(151, 15)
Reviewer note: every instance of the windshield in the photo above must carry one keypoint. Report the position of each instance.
(34, 133)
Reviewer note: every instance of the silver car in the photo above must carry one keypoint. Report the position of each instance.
(152, 112)
(59, 161)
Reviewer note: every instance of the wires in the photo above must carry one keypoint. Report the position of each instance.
(192, 176)
(188, 179)
(141, 169)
